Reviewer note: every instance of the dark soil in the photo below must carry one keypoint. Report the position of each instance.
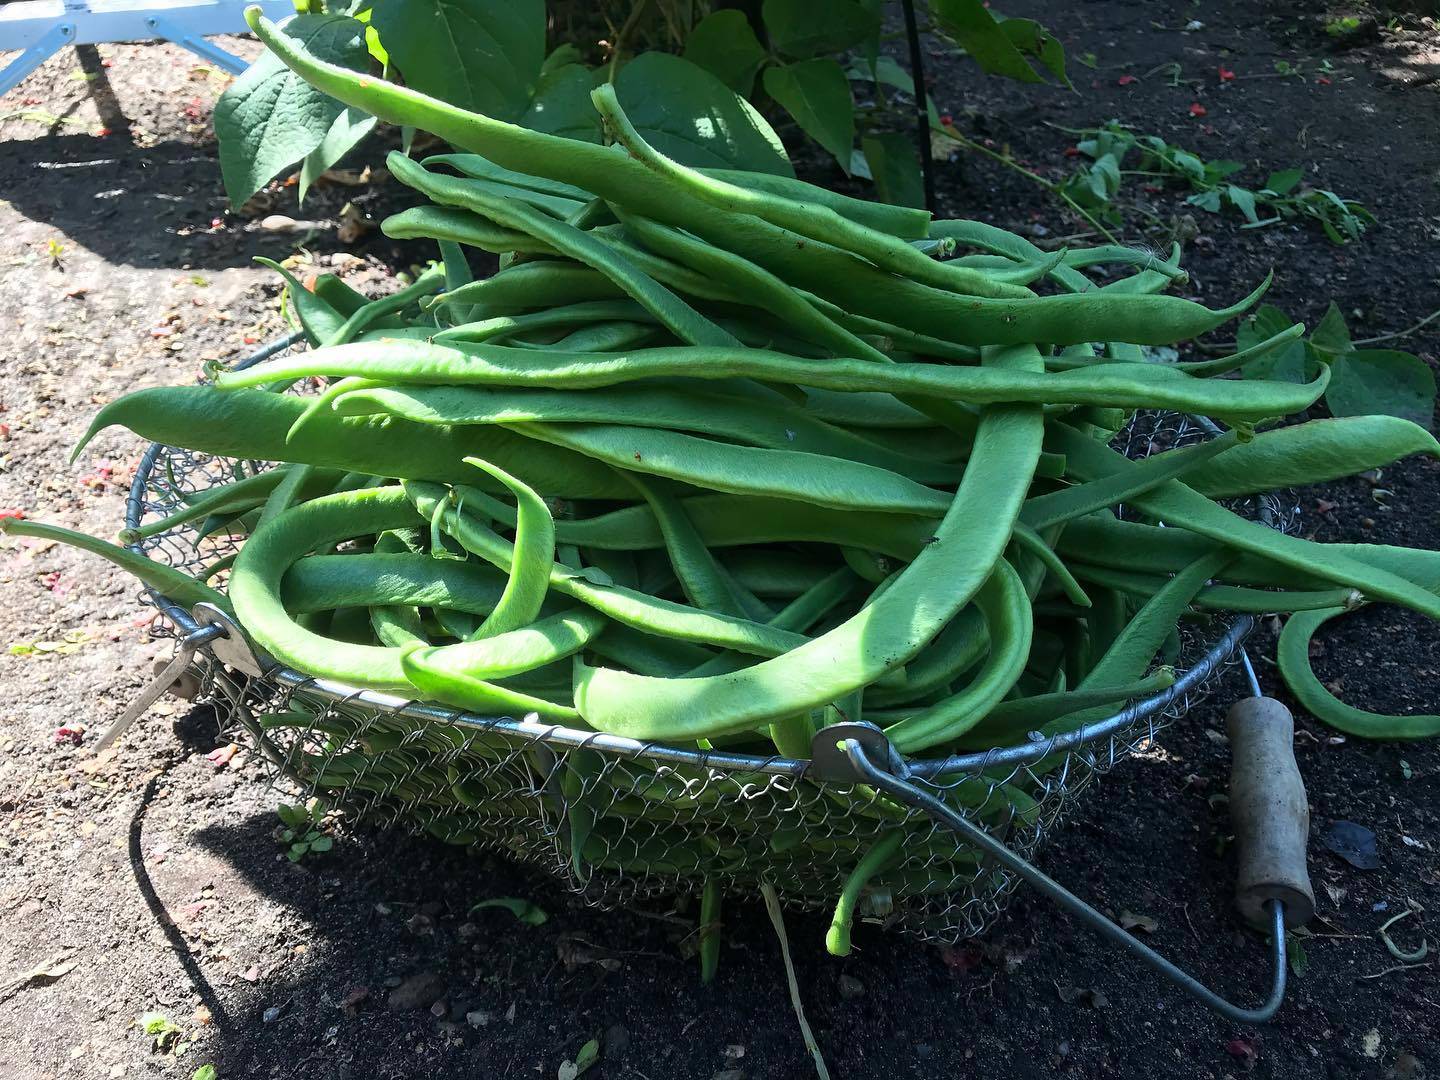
(154, 869)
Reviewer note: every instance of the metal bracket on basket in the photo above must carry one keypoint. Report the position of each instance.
(863, 745)
(216, 629)
(830, 761)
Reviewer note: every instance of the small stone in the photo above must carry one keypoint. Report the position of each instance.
(271, 1014)
(278, 223)
(478, 1018)
(438, 1010)
(417, 992)
(467, 930)
(851, 988)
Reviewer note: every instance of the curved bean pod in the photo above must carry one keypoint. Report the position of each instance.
(254, 425)
(165, 580)
(814, 221)
(1177, 504)
(882, 636)
(1006, 610)
(534, 555)
(1294, 658)
(634, 609)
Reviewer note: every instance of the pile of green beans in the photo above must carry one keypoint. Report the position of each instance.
(716, 459)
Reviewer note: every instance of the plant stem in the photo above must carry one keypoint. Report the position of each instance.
(922, 115)
(1053, 189)
(623, 37)
(1399, 333)
(772, 906)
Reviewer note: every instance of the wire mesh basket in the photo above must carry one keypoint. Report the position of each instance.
(616, 819)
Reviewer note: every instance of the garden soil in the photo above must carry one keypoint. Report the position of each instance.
(149, 880)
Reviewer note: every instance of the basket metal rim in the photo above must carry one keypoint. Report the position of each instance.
(572, 738)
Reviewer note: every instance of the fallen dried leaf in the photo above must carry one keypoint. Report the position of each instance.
(1353, 843)
(1130, 921)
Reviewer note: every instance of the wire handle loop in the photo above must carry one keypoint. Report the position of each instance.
(913, 796)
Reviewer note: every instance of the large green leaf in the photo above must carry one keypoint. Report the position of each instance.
(481, 55)
(690, 115)
(270, 118)
(350, 127)
(804, 28)
(817, 94)
(997, 47)
(562, 105)
(1385, 381)
(894, 168)
(724, 44)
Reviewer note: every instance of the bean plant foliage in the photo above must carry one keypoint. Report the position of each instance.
(1114, 151)
(699, 99)
(1363, 381)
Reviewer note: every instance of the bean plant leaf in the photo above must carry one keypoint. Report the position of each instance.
(688, 114)
(562, 106)
(1283, 181)
(1032, 39)
(270, 118)
(870, 45)
(1105, 177)
(562, 55)
(1382, 381)
(1331, 336)
(802, 28)
(724, 44)
(589, 1054)
(817, 94)
(1285, 362)
(350, 127)
(1206, 200)
(998, 50)
(894, 168)
(1244, 201)
(888, 71)
(475, 54)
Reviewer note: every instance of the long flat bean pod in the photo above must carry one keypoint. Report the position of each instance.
(461, 364)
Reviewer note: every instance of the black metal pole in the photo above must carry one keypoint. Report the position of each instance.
(922, 114)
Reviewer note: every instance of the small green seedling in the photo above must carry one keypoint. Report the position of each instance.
(166, 1035)
(302, 829)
